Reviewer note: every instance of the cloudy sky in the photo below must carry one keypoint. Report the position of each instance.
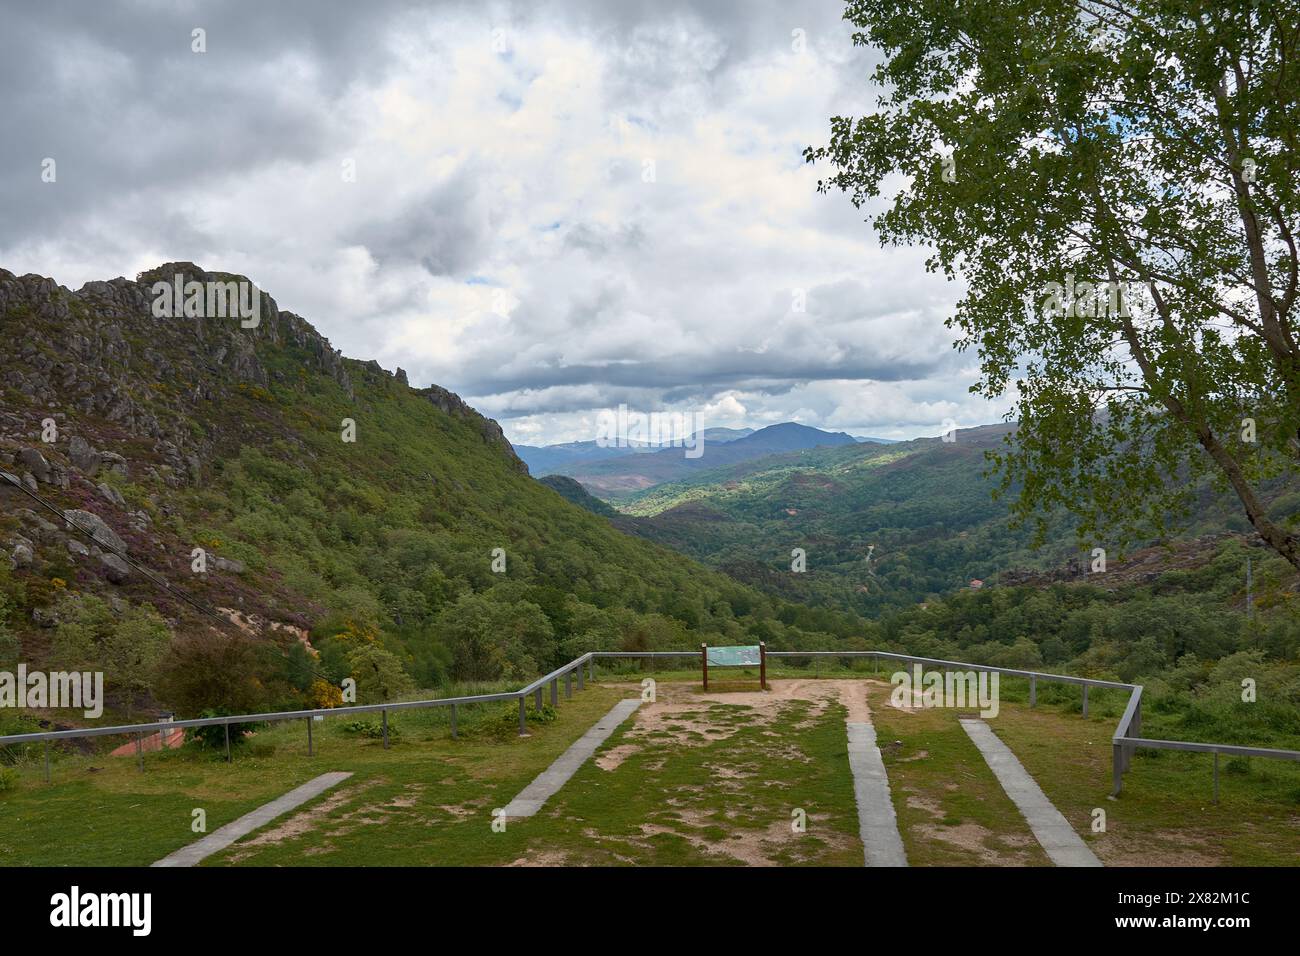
(550, 208)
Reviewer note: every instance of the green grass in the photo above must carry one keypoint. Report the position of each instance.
(707, 782)
(1165, 813)
(102, 811)
(720, 785)
(951, 809)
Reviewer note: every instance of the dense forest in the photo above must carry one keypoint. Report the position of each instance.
(420, 554)
(356, 527)
(882, 527)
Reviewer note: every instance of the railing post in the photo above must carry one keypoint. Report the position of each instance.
(523, 717)
(1085, 700)
(1134, 730)
(453, 721)
(1033, 691)
(1117, 768)
(384, 714)
(309, 747)
(582, 673)
(592, 664)
(555, 692)
(537, 699)
(227, 726)
(139, 751)
(568, 685)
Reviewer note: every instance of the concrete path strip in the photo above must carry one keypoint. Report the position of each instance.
(550, 780)
(220, 839)
(1063, 846)
(882, 845)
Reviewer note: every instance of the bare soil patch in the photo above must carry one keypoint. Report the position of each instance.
(683, 713)
(301, 822)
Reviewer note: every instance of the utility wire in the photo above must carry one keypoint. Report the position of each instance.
(108, 546)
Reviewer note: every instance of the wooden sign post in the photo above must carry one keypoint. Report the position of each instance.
(748, 655)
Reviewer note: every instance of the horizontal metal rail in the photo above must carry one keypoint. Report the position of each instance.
(1236, 750)
(1010, 671)
(695, 654)
(1125, 741)
(553, 675)
(266, 718)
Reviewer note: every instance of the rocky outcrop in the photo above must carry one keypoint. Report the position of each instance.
(115, 569)
(102, 352)
(229, 565)
(93, 523)
(107, 404)
(83, 457)
(22, 554)
(452, 404)
(36, 465)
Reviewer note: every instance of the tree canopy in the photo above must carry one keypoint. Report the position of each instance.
(1116, 182)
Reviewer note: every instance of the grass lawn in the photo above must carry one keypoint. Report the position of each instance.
(102, 811)
(951, 809)
(717, 779)
(1165, 813)
(690, 780)
(1164, 816)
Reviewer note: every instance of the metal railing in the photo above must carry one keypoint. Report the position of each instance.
(1125, 742)
(1128, 732)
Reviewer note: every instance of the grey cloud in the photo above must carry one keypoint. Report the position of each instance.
(657, 298)
(114, 94)
(446, 231)
(599, 240)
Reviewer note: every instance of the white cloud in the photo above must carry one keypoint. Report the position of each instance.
(500, 239)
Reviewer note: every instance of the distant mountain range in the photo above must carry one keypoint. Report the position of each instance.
(559, 459)
(882, 526)
(617, 472)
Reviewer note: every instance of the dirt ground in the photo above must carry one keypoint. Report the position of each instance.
(684, 715)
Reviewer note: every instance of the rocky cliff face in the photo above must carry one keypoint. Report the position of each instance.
(101, 354)
(97, 391)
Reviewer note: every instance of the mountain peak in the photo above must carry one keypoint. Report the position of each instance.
(792, 436)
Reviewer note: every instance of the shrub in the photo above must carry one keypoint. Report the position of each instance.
(506, 724)
(323, 694)
(213, 736)
(211, 674)
(372, 729)
(378, 674)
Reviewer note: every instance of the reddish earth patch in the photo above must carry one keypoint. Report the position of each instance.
(163, 740)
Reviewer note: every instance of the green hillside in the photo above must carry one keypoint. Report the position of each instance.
(381, 552)
(573, 491)
(421, 554)
(882, 526)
